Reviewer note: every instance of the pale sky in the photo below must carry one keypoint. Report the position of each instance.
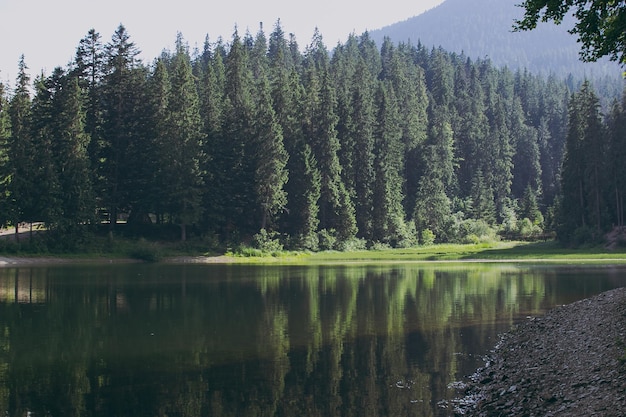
(47, 32)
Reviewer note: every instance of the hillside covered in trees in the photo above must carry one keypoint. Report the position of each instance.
(484, 29)
(390, 146)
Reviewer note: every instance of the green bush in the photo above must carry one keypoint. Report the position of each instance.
(146, 251)
(327, 239)
(476, 231)
(406, 236)
(352, 244)
(267, 242)
(380, 246)
(427, 237)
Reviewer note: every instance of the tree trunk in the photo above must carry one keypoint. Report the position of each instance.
(183, 232)
(582, 202)
(618, 216)
(597, 186)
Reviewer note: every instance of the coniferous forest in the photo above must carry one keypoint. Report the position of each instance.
(258, 139)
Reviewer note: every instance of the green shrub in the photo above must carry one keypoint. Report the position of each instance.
(146, 251)
(327, 239)
(267, 242)
(309, 242)
(352, 244)
(476, 231)
(427, 237)
(380, 246)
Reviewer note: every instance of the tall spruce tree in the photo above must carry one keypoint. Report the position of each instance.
(211, 95)
(72, 160)
(388, 218)
(527, 158)
(581, 193)
(184, 178)
(410, 87)
(119, 130)
(617, 156)
(361, 131)
(44, 148)
(159, 137)
(22, 191)
(236, 170)
(433, 206)
(299, 219)
(336, 209)
(270, 156)
(5, 135)
(89, 68)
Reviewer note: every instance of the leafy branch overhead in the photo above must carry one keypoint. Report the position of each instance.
(600, 24)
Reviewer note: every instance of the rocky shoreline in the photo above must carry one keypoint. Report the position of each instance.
(570, 362)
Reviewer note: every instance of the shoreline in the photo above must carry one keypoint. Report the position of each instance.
(16, 261)
(571, 361)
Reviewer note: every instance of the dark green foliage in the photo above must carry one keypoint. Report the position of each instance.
(5, 135)
(22, 191)
(433, 207)
(388, 218)
(183, 177)
(584, 168)
(599, 24)
(256, 142)
(270, 157)
(121, 96)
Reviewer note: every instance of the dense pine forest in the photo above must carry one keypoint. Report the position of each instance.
(257, 140)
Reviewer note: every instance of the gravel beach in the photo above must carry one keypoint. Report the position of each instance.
(570, 362)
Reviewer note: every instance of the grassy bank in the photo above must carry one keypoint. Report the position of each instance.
(488, 252)
(168, 251)
(498, 251)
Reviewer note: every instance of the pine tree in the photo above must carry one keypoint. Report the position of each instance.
(299, 219)
(526, 161)
(270, 156)
(184, 179)
(119, 95)
(72, 159)
(594, 149)
(552, 132)
(43, 149)
(5, 135)
(471, 127)
(235, 174)
(88, 66)
(433, 206)
(581, 183)
(21, 189)
(211, 95)
(497, 148)
(158, 137)
(529, 208)
(410, 87)
(336, 209)
(361, 131)
(387, 197)
(617, 155)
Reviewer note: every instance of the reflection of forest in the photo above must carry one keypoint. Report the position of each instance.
(259, 341)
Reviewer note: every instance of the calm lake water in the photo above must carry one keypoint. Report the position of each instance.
(232, 340)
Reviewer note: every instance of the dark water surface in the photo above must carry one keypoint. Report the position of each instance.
(232, 340)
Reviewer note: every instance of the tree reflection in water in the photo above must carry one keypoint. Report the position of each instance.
(193, 340)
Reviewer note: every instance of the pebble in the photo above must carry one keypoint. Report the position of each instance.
(572, 361)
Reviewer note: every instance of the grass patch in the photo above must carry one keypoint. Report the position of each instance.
(154, 251)
(496, 251)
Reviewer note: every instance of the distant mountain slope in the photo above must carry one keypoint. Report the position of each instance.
(483, 29)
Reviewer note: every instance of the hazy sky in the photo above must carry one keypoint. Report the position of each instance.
(47, 32)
